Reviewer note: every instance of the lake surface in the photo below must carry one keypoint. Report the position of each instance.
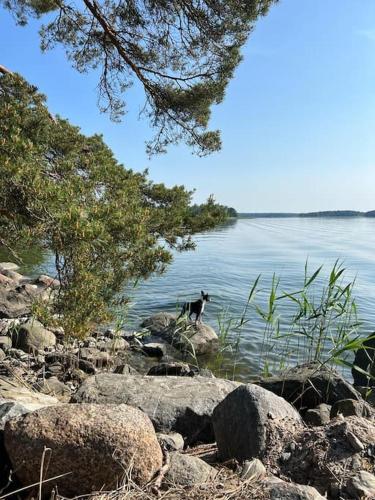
(228, 260)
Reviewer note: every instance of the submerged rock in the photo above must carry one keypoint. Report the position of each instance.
(180, 404)
(94, 445)
(243, 419)
(309, 385)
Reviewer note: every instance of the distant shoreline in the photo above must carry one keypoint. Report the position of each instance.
(327, 214)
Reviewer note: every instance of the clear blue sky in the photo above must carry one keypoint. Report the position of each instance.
(298, 121)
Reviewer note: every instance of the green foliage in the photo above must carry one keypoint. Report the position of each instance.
(106, 225)
(183, 54)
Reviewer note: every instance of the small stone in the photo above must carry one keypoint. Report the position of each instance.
(354, 442)
(172, 441)
(285, 457)
(318, 416)
(186, 470)
(2, 355)
(253, 470)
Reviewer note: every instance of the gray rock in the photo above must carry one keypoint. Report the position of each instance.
(53, 387)
(16, 299)
(125, 369)
(18, 354)
(188, 337)
(350, 407)
(16, 400)
(32, 336)
(13, 275)
(5, 341)
(8, 266)
(96, 443)
(94, 356)
(180, 404)
(159, 323)
(362, 485)
(171, 442)
(154, 349)
(319, 415)
(309, 385)
(242, 420)
(185, 470)
(252, 470)
(281, 490)
(70, 361)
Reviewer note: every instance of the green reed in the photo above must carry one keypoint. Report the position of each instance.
(318, 322)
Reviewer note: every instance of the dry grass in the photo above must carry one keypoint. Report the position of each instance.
(226, 486)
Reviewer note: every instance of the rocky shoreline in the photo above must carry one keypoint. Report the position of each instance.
(127, 413)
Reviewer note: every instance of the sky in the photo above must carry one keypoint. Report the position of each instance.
(297, 122)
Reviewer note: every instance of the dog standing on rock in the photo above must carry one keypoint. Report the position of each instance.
(196, 307)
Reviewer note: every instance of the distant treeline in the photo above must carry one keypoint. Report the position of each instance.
(328, 213)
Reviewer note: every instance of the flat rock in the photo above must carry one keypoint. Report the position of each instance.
(185, 470)
(309, 385)
(281, 490)
(8, 266)
(31, 336)
(243, 419)
(94, 444)
(53, 387)
(180, 404)
(12, 391)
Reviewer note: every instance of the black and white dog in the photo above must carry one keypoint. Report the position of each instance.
(196, 307)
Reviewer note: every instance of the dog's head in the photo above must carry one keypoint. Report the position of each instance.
(205, 296)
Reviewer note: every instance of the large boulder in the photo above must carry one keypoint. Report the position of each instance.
(309, 385)
(94, 445)
(180, 404)
(242, 421)
(32, 336)
(188, 337)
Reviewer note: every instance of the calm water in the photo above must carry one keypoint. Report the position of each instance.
(228, 260)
